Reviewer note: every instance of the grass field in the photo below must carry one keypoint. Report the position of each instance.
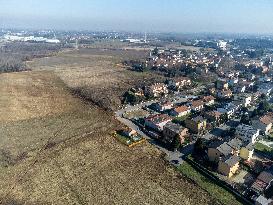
(95, 75)
(215, 191)
(56, 148)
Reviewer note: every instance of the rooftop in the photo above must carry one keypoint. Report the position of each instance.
(181, 109)
(225, 149)
(266, 177)
(208, 98)
(164, 103)
(231, 161)
(214, 113)
(159, 118)
(235, 143)
(174, 127)
(246, 128)
(266, 119)
(197, 103)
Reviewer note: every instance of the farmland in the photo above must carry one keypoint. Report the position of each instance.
(96, 74)
(57, 148)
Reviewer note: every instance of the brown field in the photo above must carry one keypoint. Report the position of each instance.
(96, 74)
(57, 149)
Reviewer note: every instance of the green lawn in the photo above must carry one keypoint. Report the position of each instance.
(263, 148)
(124, 139)
(180, 119)
(216, 191)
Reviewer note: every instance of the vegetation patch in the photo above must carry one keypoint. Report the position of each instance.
(180, 120)
(216, 191)
(263, 148)
(129, 141)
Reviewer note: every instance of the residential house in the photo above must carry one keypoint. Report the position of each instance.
(172, 130)
(162, 106)
(208, 100)
(235, 144)
(229, 109)
(264, 123)
(224, 94)
(261, 200)
(157, 122)
(180, 111)
(156, 90)
(218, 149)
(228, 166)
(244, 99)
(196, 124)
(247, 133)
(243, 149)
(179, 83)
(213, 116)
(265, 88)
(262, 182)
(196, 105)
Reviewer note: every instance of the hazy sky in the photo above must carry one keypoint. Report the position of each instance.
(250, 16)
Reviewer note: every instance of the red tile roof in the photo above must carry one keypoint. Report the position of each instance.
(159, 118)
(182, 79)
(266, 119)
(208, 98)
(181, 109)
(197, 103)
(214, 113)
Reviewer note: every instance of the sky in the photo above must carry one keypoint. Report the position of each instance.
(185, 16)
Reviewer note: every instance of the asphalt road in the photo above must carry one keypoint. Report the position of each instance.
(174, 157)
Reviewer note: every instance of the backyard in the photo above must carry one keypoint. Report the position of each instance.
(263, 147)
(215, 191)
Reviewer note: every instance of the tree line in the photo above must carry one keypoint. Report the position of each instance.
(13, 55)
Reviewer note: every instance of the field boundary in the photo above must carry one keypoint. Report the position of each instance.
(217, 181)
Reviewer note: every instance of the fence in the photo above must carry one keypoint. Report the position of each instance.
(219, 182)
